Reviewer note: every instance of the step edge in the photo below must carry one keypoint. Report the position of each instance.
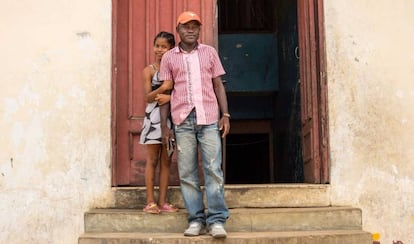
(240, 186)
(241, 209)
(230, 234)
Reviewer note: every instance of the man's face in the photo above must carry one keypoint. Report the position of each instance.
(189, 32)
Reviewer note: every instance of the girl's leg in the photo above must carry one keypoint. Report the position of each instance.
(164, 176)
(151, 164)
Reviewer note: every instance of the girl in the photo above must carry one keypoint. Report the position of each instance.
(151, 131)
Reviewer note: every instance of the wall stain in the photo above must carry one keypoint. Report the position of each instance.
(83, 34)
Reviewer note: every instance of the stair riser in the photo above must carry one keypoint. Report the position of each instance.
(256, 196)
(244, 220)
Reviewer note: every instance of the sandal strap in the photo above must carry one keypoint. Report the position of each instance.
(168, 207)
(151, 207)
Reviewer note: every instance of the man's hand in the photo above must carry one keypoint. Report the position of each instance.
(224, 126)
(165, 134)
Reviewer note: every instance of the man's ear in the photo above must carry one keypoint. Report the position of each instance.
(178, 27)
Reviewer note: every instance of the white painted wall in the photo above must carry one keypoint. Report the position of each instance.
(54, 117)
(371, 111)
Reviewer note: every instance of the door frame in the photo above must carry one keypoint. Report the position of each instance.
(313, 83)
(312, 75)
(114, 72)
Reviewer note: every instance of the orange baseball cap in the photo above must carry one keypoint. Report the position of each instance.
(188, 16)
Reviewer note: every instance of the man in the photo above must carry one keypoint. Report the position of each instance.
(192, 70)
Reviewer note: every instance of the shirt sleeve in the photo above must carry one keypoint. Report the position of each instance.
(217, 69)
(165, 70)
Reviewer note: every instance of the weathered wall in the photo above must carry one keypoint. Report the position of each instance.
(371, 114)
(54, 117)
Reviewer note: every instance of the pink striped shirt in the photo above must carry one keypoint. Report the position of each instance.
(192, 74)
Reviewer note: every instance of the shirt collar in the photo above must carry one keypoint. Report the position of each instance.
(179, 49)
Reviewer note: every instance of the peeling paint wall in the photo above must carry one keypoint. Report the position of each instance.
(54, 117)
(371, 114)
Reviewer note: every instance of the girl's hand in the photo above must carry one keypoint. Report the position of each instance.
(162, 99)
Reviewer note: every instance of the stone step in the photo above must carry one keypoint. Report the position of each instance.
(241, 220)
(239, 196)
(291, 237)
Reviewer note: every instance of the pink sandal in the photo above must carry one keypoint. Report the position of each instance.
(168, 208)
(152, 208)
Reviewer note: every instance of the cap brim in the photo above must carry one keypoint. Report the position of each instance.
(185, 22)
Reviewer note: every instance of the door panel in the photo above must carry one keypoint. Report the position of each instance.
(135, 24)
(313, 91)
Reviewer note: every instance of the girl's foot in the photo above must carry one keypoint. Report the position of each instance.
(152, 208)
(168, 208)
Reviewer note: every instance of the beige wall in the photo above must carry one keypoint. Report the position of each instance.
(371, 111)
(55, 115)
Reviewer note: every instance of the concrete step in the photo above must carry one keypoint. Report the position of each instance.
(239, 196)
(241, 220)
(291, 237)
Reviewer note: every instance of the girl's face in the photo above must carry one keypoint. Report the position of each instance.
(161, 46)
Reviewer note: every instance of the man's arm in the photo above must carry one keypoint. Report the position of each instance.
(220, 92)
(166, 132)
(164, 92)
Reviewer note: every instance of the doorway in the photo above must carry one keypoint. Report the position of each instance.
(258, 46)
(265, 113)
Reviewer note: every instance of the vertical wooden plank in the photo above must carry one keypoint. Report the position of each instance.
(304, 78)
(144, 24)
(324, 141)
(313, 90)
(120, 92)
(210, 29)
(308, 130)
(167, 16)
(114, 72)
(139, 56)
(313, 95)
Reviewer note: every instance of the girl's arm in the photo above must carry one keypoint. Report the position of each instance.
(151, 95)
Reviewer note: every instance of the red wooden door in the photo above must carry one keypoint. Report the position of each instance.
(313, 91)
(135, 24)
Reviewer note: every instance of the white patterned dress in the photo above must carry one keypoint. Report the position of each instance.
(151, 129)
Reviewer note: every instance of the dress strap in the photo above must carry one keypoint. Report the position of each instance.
(153, 67)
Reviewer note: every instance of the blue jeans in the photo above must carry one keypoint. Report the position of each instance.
(189, 136)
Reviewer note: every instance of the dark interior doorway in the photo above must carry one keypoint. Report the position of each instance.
(249, 166)
(258, 45)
